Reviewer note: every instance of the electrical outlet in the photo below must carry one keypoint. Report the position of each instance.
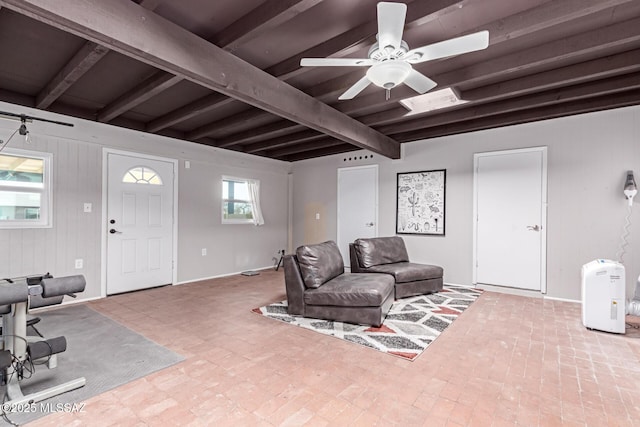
(79, 263)
(317, 215)
(204, 251)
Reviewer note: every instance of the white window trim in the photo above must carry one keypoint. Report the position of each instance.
(46, 213)
(222, 200)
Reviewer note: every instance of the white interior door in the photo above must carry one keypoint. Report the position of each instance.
(357, 206)
(510, 212)
(140, 223)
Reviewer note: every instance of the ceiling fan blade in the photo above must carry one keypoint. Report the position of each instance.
(335, 62)
(391, 17)
(419, 82)
(457, 46)
(358, 87)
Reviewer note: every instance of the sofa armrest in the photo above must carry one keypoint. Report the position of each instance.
(294, 285)
(353, 257)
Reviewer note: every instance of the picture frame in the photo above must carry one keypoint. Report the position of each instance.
(420, 202)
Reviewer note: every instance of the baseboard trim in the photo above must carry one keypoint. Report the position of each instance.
(219, 276)
(510, 291)
(563, 299)
(464, 286)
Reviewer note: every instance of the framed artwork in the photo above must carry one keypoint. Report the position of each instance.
(421, 202)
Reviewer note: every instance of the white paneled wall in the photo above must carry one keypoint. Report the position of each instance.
(77, 179)
(588, 156)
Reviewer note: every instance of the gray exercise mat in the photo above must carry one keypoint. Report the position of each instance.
(106, 353)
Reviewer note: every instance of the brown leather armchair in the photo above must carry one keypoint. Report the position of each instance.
(318, 287)
(389, 255)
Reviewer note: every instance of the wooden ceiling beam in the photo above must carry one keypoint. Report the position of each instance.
(342, 148)
(614, 65)
(579, 106)
(201, 106)
(294, 138)
(621, 63)
(150, 4)
(266, 16)
(545, 16)
(272, 130)
(229, 125)
(85, 58)
(88, 56)
(601, 87)
(301, 147)
(271, 12)
(152, 86)
(137, 33)
(550, 97)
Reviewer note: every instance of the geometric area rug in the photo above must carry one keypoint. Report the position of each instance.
(410, 326)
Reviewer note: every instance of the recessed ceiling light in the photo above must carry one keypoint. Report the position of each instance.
(430, 101)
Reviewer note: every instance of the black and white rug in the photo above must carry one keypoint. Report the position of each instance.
(410, 326)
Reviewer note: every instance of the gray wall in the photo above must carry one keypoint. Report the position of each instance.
(588, 156)
(77, 178)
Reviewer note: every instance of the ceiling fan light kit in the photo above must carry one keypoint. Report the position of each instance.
(390, 58)
(389, 74)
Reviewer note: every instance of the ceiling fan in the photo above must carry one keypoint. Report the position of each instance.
(390, 58)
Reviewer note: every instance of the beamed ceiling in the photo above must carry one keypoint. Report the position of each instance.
(226, 73)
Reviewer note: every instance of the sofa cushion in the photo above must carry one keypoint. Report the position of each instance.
(380, 250)
(352, 290)
(319, 263)
(408, 271)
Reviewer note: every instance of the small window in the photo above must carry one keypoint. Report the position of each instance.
(25, 189)
(142, 175)
(236, 203)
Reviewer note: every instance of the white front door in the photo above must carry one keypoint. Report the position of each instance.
(357, 206)
(140, 222)
(510, 213)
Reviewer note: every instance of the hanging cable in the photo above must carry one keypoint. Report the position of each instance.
(4, 143)
(626, 232)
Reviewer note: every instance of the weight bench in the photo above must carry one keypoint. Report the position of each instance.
(18, 350)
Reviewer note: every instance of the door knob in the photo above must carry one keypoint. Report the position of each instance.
(113, 231)
(369, 224)
(533, 227)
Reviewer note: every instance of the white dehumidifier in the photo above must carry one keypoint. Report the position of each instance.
(603, 296)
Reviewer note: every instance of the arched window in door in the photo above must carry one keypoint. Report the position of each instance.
(142, 175)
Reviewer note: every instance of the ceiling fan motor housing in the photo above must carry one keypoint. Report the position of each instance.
(387, 53)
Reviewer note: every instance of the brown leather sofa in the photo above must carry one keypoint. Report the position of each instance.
(389, 255)
(318, 287)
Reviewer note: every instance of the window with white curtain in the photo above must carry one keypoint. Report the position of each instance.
(241, 201)
(25, 189)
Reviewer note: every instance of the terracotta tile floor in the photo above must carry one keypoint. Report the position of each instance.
(508, 360)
